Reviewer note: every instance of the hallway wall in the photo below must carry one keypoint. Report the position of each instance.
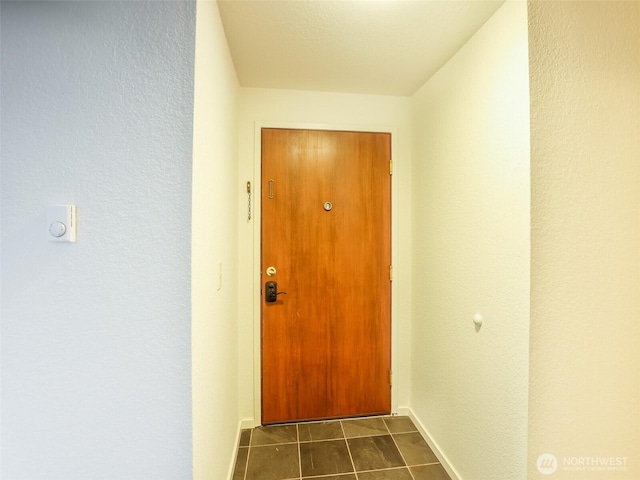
(97, 105)
(471, 252)
(214, 281)
(585, 262)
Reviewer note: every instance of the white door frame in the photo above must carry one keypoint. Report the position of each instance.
(256, 208)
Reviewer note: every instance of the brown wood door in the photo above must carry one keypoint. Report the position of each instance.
(326, 229)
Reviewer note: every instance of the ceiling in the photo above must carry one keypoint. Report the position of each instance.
(383, 47)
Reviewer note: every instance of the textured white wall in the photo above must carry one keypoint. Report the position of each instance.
(214, 293)
(585, 302)
(97, 104)
(298, 107)
(471, 252)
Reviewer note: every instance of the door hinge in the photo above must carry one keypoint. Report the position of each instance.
(390, 167)
(391, 273)
(390, 378)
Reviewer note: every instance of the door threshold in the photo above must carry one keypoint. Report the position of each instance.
(331, 419)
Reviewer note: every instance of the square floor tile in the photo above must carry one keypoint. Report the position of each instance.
(245, 438)
(400, 424)
(241, 463)
(414, 449)
(395, 474)
(430, 472)
(374, 453)
(312, 432)
(325, 458)
(273, 462)
(364, 427)
(275, 434)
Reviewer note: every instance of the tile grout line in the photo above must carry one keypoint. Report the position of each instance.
(246, 463)
(386, 469)
(399, 451)
(299, 454)
(334, 439)
(346, 441)
(274, 444)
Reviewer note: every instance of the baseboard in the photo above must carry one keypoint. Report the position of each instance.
(444, 461)
(243, 424)
(232, 466)
(248, 423)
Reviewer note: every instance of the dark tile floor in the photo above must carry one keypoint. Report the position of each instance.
(373, 448)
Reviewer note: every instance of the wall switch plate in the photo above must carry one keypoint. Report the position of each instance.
(61, 223)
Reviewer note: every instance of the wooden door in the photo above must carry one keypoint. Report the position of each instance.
(326, 230)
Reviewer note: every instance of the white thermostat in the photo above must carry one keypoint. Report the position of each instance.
(61, 223)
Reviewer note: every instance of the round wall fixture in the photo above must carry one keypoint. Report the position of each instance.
(57, 229)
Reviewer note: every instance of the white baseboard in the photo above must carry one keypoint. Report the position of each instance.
(444, 461)
(248, 423)
(234, 457)
(243, 424)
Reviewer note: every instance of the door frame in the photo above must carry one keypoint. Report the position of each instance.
(256, 206)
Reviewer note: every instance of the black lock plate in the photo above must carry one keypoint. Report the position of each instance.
(271, 291)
